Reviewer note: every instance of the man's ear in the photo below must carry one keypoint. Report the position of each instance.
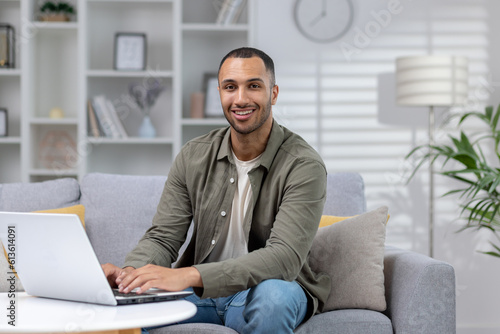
(275, 91)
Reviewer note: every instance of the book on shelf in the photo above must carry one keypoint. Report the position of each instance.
(104, 121)
(230, 11)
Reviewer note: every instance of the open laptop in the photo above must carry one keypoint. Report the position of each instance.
(53, 258)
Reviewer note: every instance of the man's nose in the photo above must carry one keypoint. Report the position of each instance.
(241, 97)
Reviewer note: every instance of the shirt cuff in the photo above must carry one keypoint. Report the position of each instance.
(213, 280)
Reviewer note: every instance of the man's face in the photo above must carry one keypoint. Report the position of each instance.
(246, 93)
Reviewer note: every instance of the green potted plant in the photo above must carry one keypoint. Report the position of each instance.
(56, 11)
(478, 173)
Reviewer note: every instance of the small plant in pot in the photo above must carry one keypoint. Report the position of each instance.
(56, 11)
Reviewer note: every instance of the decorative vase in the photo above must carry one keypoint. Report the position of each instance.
(147, 130)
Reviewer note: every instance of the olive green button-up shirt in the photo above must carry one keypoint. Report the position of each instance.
(289, 190)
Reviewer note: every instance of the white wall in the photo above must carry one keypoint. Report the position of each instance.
(332, 97)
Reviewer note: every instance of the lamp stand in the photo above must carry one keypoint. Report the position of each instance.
(431, 183)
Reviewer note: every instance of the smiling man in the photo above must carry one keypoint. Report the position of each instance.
(255, 193)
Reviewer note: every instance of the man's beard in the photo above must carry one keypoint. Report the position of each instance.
(264, 117)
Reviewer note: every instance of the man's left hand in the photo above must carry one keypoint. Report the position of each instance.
(153, 276)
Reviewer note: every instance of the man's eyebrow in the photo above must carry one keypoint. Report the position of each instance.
(249, 80)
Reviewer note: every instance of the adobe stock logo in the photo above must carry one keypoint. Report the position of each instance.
(372, 29)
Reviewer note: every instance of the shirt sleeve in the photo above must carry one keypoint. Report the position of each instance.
(161, 243)
(289, 242)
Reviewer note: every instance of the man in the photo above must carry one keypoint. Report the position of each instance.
(255, 193)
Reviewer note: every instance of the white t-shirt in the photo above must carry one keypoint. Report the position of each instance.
(232, 242)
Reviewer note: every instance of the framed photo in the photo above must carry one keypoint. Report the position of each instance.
(130, 51)
(3, 122)
(213, 107)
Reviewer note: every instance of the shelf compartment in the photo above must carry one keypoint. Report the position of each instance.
(55, 65)
(54, 148)
(206, 12)
(130, 159)
(116, 90)
(155, 19)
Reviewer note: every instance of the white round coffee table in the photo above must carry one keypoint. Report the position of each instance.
(41, 315)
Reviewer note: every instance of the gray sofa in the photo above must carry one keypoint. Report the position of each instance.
(420, 291)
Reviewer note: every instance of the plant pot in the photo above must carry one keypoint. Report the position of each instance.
(54, 17)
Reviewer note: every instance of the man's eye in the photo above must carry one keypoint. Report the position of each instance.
(255, 85)
(230, 87)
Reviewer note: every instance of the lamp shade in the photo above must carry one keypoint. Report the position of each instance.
(431, 80)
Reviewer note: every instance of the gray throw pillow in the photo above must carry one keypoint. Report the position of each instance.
(351, 252)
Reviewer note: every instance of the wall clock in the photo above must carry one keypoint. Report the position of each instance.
(323, 21)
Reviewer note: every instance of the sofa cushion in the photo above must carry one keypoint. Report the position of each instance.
(347, 322)
(24, 197)
(200, 328)
(352, 253)
(118, 211)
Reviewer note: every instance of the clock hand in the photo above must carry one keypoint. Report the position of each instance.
(320, 16)
(317, 19)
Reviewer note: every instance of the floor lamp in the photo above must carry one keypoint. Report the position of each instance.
(432, 81)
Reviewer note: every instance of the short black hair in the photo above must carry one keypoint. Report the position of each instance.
(247, 52)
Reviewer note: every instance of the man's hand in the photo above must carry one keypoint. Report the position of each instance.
(112, 272)
(152, 276)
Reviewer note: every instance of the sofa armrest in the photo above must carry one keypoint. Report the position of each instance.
(420, 293)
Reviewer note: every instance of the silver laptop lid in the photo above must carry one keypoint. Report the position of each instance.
(54, 258)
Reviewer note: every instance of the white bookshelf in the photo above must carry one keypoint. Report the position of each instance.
(63, 64)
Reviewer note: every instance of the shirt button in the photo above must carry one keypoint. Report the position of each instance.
(213, 242)
(223, 213)
(231, 180)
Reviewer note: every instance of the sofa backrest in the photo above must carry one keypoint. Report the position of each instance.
(345, 194)
(118, 210)
(24, 197)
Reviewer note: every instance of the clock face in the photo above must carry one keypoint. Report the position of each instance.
(323, 21)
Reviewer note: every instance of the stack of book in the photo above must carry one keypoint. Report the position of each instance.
(230, 11)
(104, 121)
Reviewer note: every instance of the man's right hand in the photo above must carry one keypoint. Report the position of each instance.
(112, 272)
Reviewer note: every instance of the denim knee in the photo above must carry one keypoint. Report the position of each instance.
(275, 306)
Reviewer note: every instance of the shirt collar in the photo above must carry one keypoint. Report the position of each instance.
(273, 145)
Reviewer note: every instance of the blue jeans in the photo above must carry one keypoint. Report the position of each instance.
(273, 306)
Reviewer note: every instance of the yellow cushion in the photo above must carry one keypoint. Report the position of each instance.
(79, 210)
(329, 220)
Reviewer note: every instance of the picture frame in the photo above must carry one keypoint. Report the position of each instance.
(213, 107)
(3, 122)
(130, 51)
